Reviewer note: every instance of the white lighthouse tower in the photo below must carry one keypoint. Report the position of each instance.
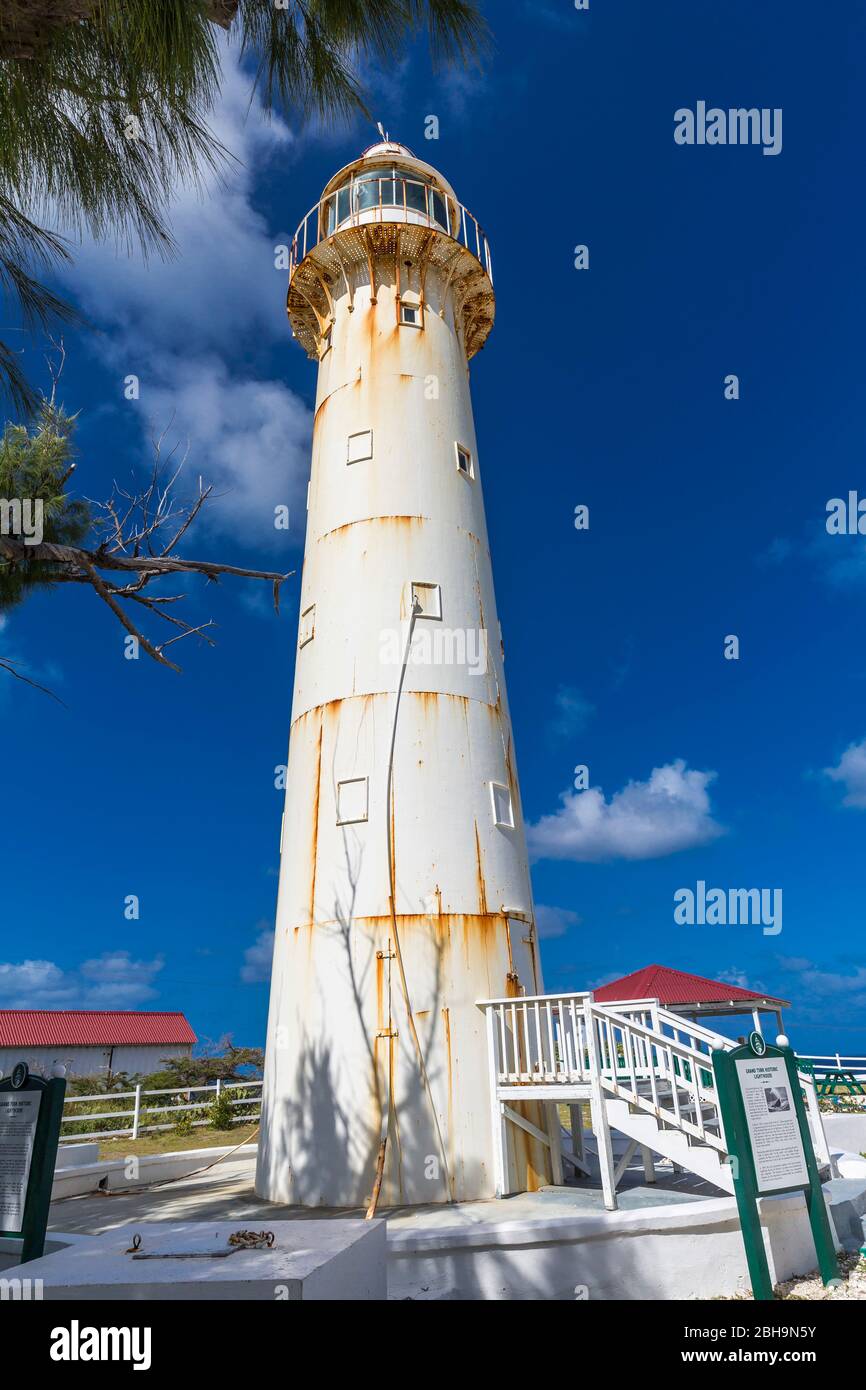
(404, 891)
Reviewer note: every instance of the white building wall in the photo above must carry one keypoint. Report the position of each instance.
(92, 1061)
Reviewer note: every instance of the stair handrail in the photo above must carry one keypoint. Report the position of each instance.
(719, 1041)
(698, 1030)
(673, 1020)
(687, 1078)
(650, 1033)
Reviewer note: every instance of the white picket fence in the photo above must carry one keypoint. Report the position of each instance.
(139, 1115)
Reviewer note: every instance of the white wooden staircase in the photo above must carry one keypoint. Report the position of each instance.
(646, 1073)
(684, 1151)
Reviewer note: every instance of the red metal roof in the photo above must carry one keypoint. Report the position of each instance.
(91, 1028)
(678, 987)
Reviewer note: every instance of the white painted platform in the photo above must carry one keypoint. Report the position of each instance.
(668, 1240)
(341, 1260)
(551, 1250)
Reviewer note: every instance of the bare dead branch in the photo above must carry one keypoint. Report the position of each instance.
(188, 631)
(78, 557)
(203, 494)
(7, 665)
(124, 620)
(137, 534)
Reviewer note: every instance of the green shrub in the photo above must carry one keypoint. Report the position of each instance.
(103, 1088)
(183, 1120)
(221, 1113)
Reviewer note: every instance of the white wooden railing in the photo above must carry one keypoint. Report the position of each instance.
(539, 1038)
(248, 1109)
(636, 1050)
(657, 1072)
(650, 1013)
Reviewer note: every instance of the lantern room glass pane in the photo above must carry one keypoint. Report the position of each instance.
(380, 187)
(371, 186)
(438, 212)
(416, 196)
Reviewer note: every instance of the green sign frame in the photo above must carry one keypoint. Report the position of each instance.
(746, 1188)
(43, 1159)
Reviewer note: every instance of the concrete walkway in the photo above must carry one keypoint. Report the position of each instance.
(225, 1193)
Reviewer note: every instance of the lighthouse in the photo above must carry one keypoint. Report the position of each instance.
(404, 891)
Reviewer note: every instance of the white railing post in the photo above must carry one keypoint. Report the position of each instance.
(554, 1134)
(136, 1112)
(497, 1118)
(598, 1110)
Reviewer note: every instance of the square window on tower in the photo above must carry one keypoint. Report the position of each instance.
(307, 626)
(503, 810)
(464, 461)
(429, 600)
(410, 314)
(360, 446)
(352, 801)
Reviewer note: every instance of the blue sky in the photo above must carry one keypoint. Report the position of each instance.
(602, 387)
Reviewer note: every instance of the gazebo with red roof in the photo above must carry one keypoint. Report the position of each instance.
(693, 996)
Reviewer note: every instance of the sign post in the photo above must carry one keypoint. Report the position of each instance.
(30, 1113)
(767, 1134)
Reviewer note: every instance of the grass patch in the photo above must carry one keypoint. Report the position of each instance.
(168, 1142)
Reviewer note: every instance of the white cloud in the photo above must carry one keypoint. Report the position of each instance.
(830, 983)
(459, 87)
(573, 712)
(175, 325)
(606, 979)
(851, 772)
(111, 981)
(257, 958)
(221, 285)
(554, 921)
(646, 820)
(820, 993)
(735, 977)
(251, 439)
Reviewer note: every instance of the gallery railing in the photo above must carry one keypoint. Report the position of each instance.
(372, 200)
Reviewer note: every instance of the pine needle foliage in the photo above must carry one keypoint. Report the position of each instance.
(35, 464)
(104, 106)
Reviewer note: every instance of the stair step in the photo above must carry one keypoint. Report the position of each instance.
(681, 1148)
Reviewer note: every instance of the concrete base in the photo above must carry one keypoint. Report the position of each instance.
(673, 1239)
(846, 1132)
(848, 1165)
(114, 1174)
(310, 1260)
(74, 1155)
(847, 1197)
(690, 1250)
(10, 1251)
